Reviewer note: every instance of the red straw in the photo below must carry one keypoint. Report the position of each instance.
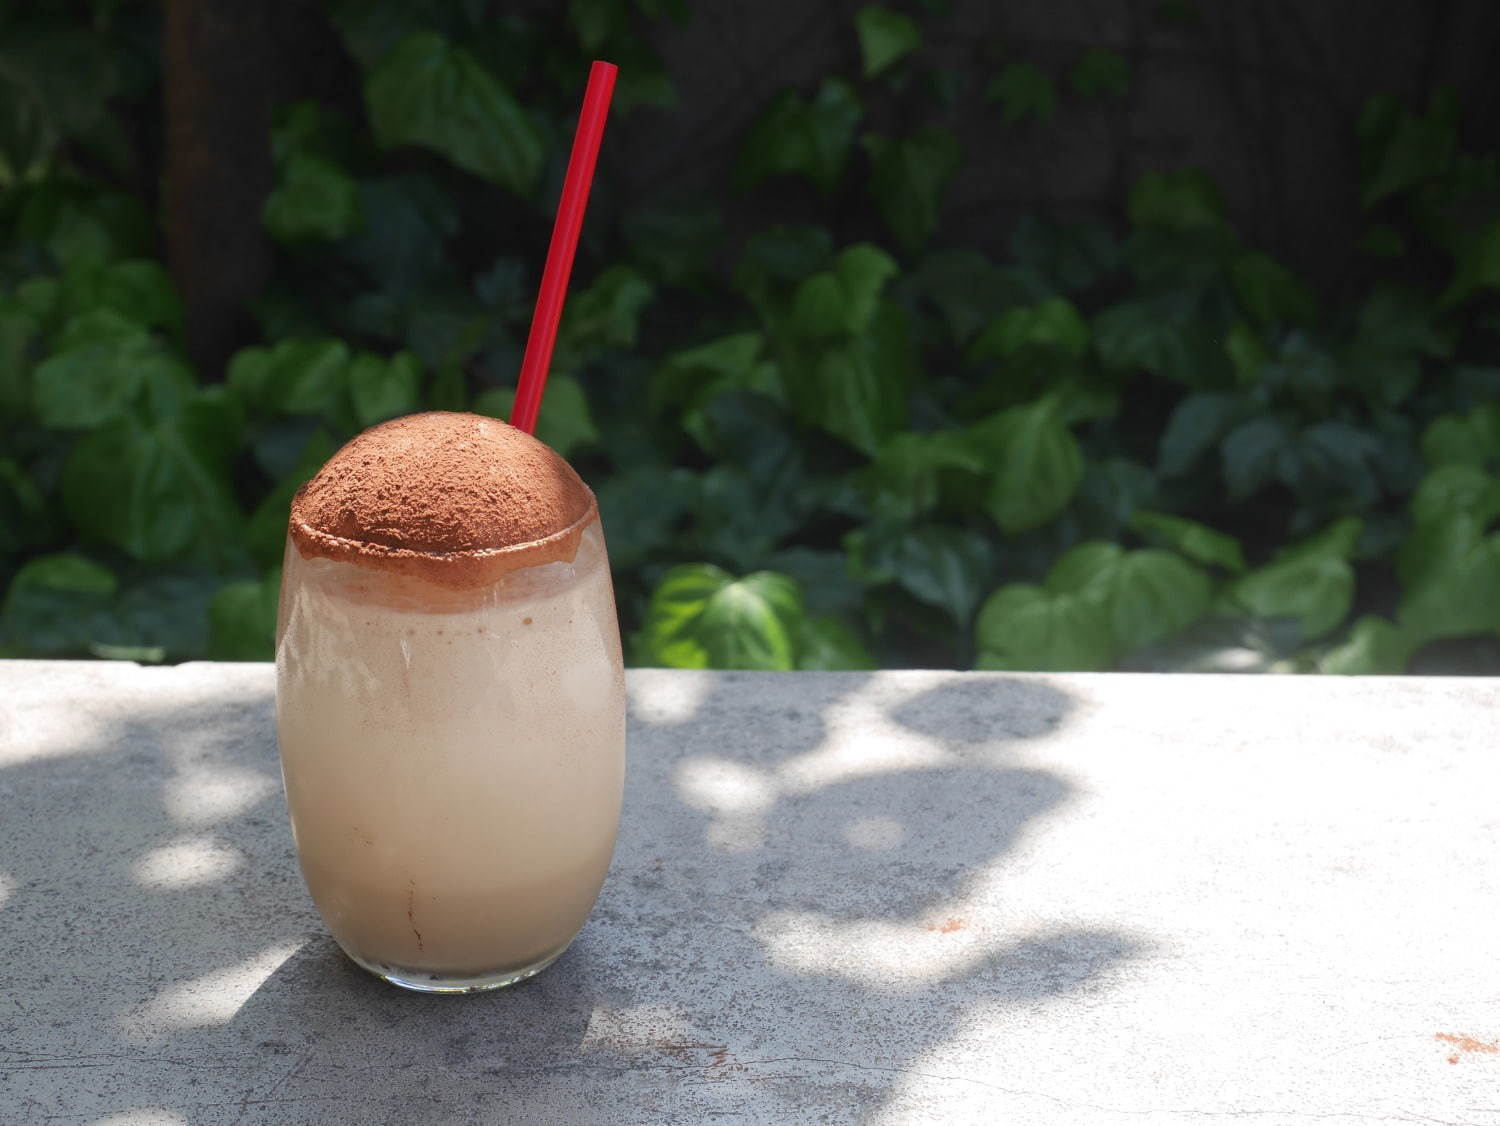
(554, 289)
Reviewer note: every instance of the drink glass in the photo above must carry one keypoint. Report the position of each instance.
(451, 724)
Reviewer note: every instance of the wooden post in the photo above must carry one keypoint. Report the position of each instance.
(217, 81)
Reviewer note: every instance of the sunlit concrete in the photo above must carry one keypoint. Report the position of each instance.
(146, 1116)
(204, 794)
(186, 862)
(885, 898)
(211, 999)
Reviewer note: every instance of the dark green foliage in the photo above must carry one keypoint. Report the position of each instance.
(1132, 440)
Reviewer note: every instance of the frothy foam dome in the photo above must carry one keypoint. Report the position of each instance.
(458, 499)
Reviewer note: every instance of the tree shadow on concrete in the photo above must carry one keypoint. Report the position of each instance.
(807, 898)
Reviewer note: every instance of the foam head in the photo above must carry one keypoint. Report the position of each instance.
(456, 499)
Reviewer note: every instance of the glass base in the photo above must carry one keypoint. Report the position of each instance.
(422, 981)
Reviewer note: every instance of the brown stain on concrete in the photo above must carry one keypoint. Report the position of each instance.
(949, 927)
(695, 1053)
(1467, 1044)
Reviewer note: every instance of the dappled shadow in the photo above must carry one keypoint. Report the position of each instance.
(808, 896)
(985, 710)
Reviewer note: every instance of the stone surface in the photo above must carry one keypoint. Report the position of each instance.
(897, 897)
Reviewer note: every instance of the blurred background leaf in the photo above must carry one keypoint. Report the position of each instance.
(899, 335)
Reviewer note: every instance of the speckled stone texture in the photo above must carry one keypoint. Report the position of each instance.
(897, 897)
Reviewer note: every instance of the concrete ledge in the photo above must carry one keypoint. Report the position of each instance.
(895, 897)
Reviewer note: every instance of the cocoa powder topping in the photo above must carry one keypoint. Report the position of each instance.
(456, 499)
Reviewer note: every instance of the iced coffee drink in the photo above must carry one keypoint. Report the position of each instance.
(450, 701)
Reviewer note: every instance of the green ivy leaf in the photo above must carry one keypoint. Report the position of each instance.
(1405, 149)
(1070, 256)
(1164, 335)
(825, 644)
(1374, 647)
(59, 74)
(1337, 459)
(1025, 627)
(884, 37)
(902, 481)
(1337, 541)
(302, 375)
(1050, 328)
(316, 201)
(140, 290)
(25, 513)
(92, 382)
(1182, 200)
(1247, 354)
(1318, 592)
(19, 330)
(1025, 91)
(857, 393)
(38, 298)
(1034, 464)
(57, 604)
(694, 376)
(265, 536)
(77, 223)
(595, 21)
(676, 244)
(1110, 493)
(67, 572)
(818, 308)
(1312, 582)
(564, 421)
(1477, 264)
(642, 80)
(163, 615)
(1195, 427)
(402, 242)
(823, 576)
(734, 519)
(383, 388)
(855, 388)
(431, 94)
(1396, 333)
(1198, 542)
(309, 127)
(604, 316)
(159, 491)
(1252, 454)
(966, 288)
(781, 255)
(843, 301)
(242, 620)
(700, 616)
(1456, 489)
(1433, 544)
(1100, 72)
(908, 179)
(749, 438)
(1271, 293)
(946, 567)
(308, 376)
(1383, 241)
(862, 271)
(795, 136)
(641, 509)
(1147, 595)
(1472, 439)
(103, 365)
(1452, 573)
